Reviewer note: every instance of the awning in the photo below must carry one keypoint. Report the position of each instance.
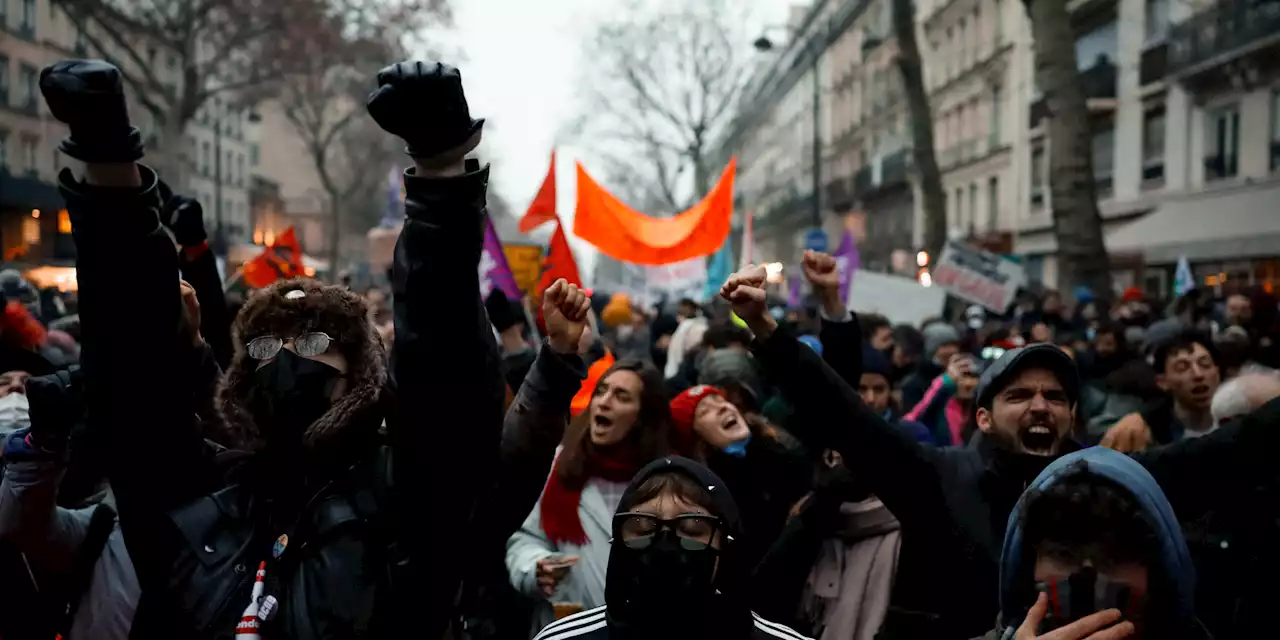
(1242, 222)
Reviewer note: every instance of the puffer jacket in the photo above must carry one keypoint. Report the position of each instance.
(197, 524)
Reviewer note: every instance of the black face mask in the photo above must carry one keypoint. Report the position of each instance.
(667, 581)
(290, 393)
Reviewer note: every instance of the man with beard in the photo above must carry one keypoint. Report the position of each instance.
(953, 503)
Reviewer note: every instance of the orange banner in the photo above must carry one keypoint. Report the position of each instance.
(630, 236)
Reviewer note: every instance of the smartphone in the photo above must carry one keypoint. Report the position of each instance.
(1086, 592)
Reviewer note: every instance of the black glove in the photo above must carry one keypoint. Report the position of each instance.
(88, 95)
(183, 216)
(423, 103)
(57, 403)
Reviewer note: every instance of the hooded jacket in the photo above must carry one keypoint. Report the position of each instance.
(729, 616)
(1017, 592)
(333, 517)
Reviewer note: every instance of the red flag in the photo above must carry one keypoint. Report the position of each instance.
(559, 263)
(543, 207)
(283, 259)
(582, 399)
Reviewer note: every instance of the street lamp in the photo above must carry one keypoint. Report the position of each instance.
(763, 44)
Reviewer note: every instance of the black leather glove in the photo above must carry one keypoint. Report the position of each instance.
(57, 403)
(423, 103)
(183, 216)
(88, 95)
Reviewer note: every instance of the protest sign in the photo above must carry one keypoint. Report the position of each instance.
(684, 279)
(978, 276)
(525, 261)
(901, 300)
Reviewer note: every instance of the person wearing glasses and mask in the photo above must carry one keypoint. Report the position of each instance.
(309, 522)
(675, 571)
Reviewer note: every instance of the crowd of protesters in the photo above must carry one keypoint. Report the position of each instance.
(317, 462)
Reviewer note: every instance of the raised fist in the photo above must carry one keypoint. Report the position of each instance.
(183, 216)
(745, 291)
(821, 271)
(423, 103)
(564, 309)
(88, 95)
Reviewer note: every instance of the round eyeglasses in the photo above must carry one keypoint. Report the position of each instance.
(307, 345)
(694, 531)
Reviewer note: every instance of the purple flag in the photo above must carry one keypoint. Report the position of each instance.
(848, 261)
(495, 273)
(793, 292)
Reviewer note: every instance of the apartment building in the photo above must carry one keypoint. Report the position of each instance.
(973, 64)
(839, 54)
(34, 34)
(1185, 103)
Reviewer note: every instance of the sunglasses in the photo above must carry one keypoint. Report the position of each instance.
(694, 531)
(307, 345)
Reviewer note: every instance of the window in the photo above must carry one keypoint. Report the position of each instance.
(253, 154)
(225, 171)
(993, 203)
(1097, 46)
(4, 76)
(977, 31)
(30, 163)
(962, 38)
(997, 30)
(29, 17)
(206, 165)
(81, 45)
(1157, 24)
(28, 92)
(4, 150)
(1104, 142)
(993, 131)
(960, 221)
(1275, 129)
(1153, 144)
(1038, 171)
(1222, 143)
(30, 230)
(973, 207)
(240, 168)
(950, 58)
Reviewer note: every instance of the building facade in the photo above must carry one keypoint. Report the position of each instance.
(214, 152)
(840, 55)
(974, 63)
(1185, 103)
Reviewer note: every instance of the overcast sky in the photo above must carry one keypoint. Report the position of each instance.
(520, 61)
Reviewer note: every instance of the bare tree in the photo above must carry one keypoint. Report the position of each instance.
(324, 100)
(921, 118)
(1077, 225)
(217, 47)
(663, 82)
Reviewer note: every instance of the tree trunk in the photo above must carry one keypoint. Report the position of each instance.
(934, 198)
(335, 237)
(1077, 225)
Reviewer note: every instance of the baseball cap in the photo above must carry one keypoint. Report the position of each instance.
(1005, 369)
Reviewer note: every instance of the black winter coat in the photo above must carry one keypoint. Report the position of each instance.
(954, 503)
(360, 561)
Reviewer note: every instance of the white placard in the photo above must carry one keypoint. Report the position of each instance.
(981, 277)
(901, 300)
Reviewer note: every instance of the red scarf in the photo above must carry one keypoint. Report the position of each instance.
(560, 498)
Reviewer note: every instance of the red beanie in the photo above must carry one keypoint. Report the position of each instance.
(1132, 294)
(683, 408)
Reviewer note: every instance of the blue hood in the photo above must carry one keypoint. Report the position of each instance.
(1126, 472)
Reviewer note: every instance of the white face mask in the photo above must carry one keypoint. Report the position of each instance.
(15, 414)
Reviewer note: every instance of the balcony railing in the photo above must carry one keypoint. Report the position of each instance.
(1098, 81)
(1226, 30)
